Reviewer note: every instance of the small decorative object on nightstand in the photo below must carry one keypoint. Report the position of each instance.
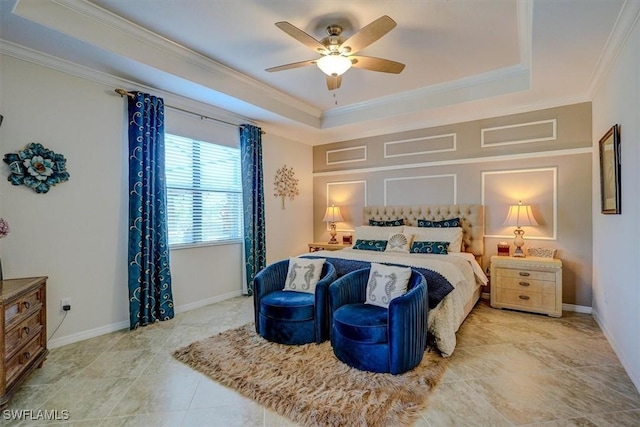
(531, 284)
(323, 246)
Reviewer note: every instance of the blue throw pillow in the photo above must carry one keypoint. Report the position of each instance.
(451, 222)
(371, 245)
(438, 248)
(392, 223)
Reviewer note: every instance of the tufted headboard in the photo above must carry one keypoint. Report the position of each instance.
(471, 217)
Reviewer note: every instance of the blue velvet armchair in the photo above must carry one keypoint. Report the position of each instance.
(291, 317)
(373, 338)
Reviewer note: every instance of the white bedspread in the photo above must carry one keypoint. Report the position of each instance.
(460, 269)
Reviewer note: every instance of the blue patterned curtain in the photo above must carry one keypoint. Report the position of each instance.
(255, 252)
(150, 296)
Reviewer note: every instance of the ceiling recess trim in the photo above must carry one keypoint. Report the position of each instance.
(101, 28)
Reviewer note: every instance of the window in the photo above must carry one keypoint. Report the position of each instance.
(204, 192)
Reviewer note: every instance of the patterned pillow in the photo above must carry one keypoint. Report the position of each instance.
(303, 274)
(386, 283)
(453, 235)
(371, 245)
(399, 242)
(451, 222)
(392, 223)
(439, 248)
(368, 232)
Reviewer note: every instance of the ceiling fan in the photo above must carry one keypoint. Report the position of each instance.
(337, 53)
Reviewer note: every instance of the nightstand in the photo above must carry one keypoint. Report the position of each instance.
(529, 284)
(324, 246)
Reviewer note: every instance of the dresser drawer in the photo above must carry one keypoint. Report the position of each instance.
(20, 334)
(18, 310)
(22, 359)
(525, 299)
(524, 284)
(526, 274)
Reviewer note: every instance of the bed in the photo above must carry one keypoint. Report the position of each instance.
(454, 280)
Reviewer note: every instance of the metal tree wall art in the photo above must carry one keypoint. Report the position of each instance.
(36, 167)
(285, 184)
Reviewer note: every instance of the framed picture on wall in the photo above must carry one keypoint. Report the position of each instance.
(610, 171)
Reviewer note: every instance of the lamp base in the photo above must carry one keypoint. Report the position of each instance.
(332, 232)
(519, 243)
(518, 253)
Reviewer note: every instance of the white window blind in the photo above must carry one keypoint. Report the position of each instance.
(204, 192)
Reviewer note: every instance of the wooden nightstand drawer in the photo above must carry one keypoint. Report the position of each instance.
(526, 274)
(19, 335)
(524, 299)
(26, 356)
(528, 284)
(22, 307)
(524, 284)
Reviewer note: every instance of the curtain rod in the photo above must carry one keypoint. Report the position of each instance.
(123, 92)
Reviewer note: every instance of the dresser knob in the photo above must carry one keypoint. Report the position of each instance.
(26, 305)
(523, 283)
(524, 274)
(26, 330)
(523, 297)
(27, 355)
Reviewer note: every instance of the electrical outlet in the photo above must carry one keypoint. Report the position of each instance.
(65, 304)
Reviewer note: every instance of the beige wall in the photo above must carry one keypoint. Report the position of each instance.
(542, 158)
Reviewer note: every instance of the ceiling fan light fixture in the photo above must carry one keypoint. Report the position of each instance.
(334, 65)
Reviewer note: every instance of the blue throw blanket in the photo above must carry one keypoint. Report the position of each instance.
(437, 286)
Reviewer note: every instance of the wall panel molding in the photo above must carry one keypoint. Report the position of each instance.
(538, 188)
(346, 155)
(520, 133)
(351, 198)
(420, 145)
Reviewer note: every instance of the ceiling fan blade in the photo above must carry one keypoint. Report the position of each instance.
(301, 36)
(292, 65)
(333, 82)
(369, 34)
(376, 64)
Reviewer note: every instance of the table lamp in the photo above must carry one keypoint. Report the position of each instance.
(332, 216)
(519, 215)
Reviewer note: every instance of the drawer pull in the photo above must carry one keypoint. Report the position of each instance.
(27, 355)
(524, 274)
(26, 330)
(26, 305)
(523, 283)
(523, 297)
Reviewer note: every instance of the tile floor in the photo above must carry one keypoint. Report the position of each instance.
(509, 369)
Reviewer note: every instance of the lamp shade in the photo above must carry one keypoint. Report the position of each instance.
(520, 215)
(334, 64)
(333, 214)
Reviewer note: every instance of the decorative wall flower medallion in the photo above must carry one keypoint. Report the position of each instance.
(36, 167)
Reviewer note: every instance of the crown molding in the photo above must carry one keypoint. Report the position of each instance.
(45, 60)
(625, 23)
(108, 31)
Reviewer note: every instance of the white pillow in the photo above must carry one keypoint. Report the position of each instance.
(399, 242)
(386, 283)
(303, 274)
(453, 235)
(372, 232)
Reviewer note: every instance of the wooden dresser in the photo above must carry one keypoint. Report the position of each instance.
(529, 284)
(23, 324)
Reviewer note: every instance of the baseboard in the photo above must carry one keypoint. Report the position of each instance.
(208, 301)
(92, 333)
(633, 375)
(577, 308)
